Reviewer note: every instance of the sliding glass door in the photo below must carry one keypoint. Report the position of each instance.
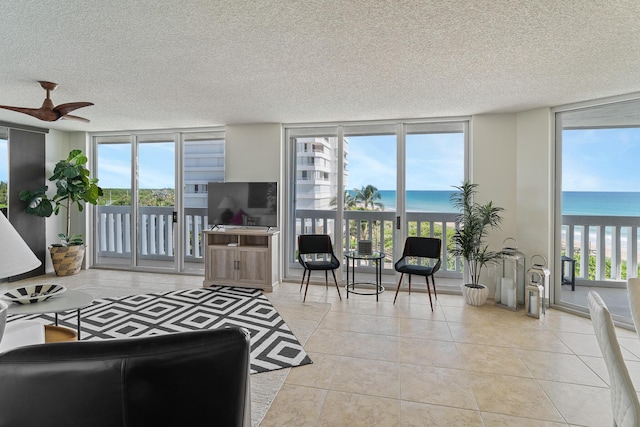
(114, 227)
(598, 151)
(155, 204)
(156, 201)
(370, 190)
(434, 163)
(375, 181)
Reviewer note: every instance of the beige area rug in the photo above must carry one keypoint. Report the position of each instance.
(303, 319)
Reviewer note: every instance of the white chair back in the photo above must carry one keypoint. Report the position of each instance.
(633, 289)
(624, 401)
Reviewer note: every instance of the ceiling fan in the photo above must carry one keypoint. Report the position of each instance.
(47, 112)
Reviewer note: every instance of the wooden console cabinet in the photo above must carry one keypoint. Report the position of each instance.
(241, 257)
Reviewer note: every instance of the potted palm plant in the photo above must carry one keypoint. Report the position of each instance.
(474, 220)
(73, 187)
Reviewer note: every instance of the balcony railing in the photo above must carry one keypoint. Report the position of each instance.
(611, 242)
(380, 228)
(155, 230)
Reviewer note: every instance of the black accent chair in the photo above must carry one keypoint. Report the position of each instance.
(198, 378)
(315, 252)
(420, 247)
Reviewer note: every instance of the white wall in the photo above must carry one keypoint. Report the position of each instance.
(58, 144)
(493, 167)
(535, 178)
(512, 161)
(253, 152)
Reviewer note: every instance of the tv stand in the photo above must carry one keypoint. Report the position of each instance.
(241, 257)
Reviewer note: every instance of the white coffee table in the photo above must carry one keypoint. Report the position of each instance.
(21, 333)
(69, 300)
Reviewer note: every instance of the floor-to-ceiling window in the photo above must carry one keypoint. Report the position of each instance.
(599, 194)
(156, 200)
(370, 190)
(435, 160)
(155, 203)
(378, 181)
(114, 227)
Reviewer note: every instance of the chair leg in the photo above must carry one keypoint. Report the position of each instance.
(336, 282)
(398, 288)
(409, 284)
(433, 282)
(429, 290)
(307, 287)
(326, 279)
(304, 272)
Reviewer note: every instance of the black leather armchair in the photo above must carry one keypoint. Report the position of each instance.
(193, 379)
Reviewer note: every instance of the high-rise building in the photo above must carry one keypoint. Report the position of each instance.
(317, 172)
(203, 163)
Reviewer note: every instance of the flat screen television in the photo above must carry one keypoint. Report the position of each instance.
(243, 204)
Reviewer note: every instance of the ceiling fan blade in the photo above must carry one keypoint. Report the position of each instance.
(64, 109)
(77, 118)
(47, 112)
(38, 113)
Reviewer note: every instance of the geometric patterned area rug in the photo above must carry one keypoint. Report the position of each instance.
(273, 345)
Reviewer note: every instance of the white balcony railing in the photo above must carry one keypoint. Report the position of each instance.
(155, 230)
(611, 242)
(380, 228)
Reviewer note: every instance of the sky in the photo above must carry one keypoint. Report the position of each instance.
(435, 162)
(156, 170)
(593, 160)
(601, 160)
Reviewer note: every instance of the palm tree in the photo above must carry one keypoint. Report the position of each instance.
(366, 197)
(349, 201)
(475, 221)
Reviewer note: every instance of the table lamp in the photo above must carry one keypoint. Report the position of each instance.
(227, 203)
(15, 258)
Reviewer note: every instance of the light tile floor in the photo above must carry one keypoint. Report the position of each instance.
(380, 364)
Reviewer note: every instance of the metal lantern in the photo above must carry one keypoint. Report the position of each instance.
(538, 268)
(510, 285)
(534, 293)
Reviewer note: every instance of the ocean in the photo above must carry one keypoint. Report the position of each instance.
(600, 203)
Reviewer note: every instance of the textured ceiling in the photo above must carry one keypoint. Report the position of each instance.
(162, 64)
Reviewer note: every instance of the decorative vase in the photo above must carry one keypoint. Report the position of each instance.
(67, 260)
(475, 294)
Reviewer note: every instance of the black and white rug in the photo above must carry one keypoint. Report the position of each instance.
(273, 345)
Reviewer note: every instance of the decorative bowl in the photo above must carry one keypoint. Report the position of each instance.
(33, 293)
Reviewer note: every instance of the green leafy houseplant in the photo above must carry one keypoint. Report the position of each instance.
(73, 186)
(475, 220)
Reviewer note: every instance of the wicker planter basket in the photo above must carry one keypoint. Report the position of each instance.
(67, 260)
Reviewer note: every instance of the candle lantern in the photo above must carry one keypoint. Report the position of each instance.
(538, 269)
(534, 293)
(510, 285)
